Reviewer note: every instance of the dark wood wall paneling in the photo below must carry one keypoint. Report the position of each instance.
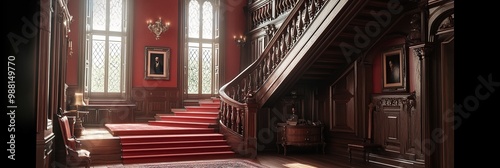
(51, 54)
(151, 101)
(104, 113)
(146, 102)
(343, 105)
(397, 124)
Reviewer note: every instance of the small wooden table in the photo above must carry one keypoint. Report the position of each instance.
(78, 128)
(300, 135)
(76, 122)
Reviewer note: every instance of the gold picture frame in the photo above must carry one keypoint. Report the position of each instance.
(394, 70)
(157, 63)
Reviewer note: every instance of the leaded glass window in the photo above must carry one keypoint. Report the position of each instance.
(200, 59)
(105, 44)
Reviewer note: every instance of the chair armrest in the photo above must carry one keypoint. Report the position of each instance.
(78, 144)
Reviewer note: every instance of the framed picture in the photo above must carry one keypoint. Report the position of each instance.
(157, 63)
(394, 70)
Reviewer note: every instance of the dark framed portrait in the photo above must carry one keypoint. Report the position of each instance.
(394, 70)
(157, 63)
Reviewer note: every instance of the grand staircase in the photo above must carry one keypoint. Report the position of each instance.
(187, 134)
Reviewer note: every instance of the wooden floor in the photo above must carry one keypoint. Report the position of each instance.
(294, 158)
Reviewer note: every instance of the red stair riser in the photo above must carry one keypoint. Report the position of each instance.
(173, 144)
(170, 139)
(188, 119)
(164, 132)
(197, 114)
(202, 108)
(186, 125)
(209, 105)
(171, 158)
(178, 150)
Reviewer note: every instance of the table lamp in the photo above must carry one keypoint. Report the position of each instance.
(78, 122)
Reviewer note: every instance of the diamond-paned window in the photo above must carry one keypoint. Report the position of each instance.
(206, 71)
(193, 68)
(200, 59)
(208, 18)
(105, 44)
(194, 19)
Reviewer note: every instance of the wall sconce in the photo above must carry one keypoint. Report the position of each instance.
(158, 27)
(240, 40)
(70, 46)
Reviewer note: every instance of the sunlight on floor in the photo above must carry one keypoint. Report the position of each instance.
(298, 165)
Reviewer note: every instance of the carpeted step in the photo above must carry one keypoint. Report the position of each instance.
(174, 150)
(198, 114)
(210, 103)
(183, 124)
(215, 99)
(177, 157)
(189, 119)
(202, 108)
(170, 138)
(147, 129)
(173, 144)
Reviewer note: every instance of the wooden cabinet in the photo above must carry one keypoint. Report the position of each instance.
(300, 135)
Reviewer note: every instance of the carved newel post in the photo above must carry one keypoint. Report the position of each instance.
(250, 127)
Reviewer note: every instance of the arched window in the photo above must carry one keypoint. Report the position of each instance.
(202, 48)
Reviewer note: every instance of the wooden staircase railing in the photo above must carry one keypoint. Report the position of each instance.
(238, 97)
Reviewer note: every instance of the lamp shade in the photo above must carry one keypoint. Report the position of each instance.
(79, 99)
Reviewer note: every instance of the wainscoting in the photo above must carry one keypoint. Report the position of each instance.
(145, 103)
(150, 101)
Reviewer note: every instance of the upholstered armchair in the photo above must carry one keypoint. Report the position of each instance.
(75, 155)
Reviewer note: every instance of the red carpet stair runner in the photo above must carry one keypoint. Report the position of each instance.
(188, 134)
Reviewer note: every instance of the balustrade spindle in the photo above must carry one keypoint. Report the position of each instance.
(233, 119)
(306, 17)
(222, 113)
(293, 31)
(242, 131)
(238, 121)
(228, 117)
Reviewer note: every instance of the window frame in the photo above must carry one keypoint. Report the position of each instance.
(214, 42)
(124, 94)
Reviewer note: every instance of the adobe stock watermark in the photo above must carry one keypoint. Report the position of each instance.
(372, 29)
(470, 104)
(29, 30)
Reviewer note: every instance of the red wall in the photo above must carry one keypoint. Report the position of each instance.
(142, 37)
(235, 26)
(72, 60)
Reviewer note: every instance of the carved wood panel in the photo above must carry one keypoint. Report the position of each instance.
(343, 101)
(396, 123)
(152, 101)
